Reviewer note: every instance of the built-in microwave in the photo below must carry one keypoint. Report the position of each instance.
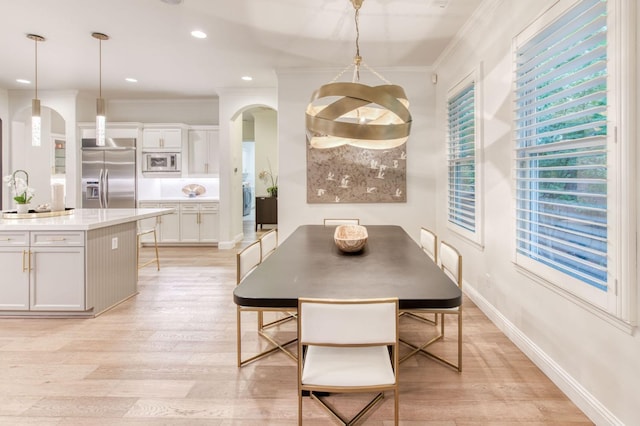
(164, 162)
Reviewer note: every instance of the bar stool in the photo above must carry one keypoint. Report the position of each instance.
(140, 234)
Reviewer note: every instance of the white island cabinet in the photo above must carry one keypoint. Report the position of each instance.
(75, 265)
(46, 269)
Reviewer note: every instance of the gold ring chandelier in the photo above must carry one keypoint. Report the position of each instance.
(356, 114)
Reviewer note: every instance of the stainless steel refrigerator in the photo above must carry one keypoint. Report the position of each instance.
(109, 173)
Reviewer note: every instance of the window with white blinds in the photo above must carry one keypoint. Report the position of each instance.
(461, 158)
(561, 148)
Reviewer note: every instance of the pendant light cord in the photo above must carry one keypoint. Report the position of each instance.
(357, 14)
(100, 68)
(357, 60)
(36, 62)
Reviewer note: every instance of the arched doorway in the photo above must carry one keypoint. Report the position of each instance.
(259, 160)
(46, 164)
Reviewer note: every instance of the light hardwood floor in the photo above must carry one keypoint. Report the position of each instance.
(168, 356)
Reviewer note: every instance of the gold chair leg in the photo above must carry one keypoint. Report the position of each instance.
(276, 345)
(263, 326)
(377, 399)
(433, 321)
(423, 348)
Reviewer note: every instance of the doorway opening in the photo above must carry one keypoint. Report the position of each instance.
(259, 155)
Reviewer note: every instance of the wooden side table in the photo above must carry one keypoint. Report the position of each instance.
(266, 211)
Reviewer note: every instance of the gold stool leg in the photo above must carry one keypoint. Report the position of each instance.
(155, 244)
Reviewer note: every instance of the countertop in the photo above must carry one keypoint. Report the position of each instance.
(181, 199)
(81, 220)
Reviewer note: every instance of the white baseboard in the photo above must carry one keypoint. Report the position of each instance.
(228, 245)
(580, 396)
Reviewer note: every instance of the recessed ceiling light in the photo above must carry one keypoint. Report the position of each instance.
(171, 1)
(198, 34)
(131, 80)
(23, 81)
(247, 78)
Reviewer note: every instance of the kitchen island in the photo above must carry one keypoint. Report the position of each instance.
(78, 265)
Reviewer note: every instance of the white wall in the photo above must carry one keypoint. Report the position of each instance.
(4, 116)
(594, 361)
(192, 112)
(294, 92)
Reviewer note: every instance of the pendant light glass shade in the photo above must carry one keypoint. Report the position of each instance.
(342, 113)
(101, 122)
(36, 126)
(101, 116)
(36, 123)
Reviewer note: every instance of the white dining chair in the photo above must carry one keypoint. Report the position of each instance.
(429, 244)
(247, 260)
(269, 244)
(451, 264)
(347, 346)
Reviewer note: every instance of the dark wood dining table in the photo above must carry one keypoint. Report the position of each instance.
(309, 264)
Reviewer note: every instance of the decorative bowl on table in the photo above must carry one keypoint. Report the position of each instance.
(350, 238)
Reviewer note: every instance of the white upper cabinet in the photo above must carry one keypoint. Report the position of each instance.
(162, 138)
(203, 151)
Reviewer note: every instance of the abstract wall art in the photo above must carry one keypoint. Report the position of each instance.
(349, 174)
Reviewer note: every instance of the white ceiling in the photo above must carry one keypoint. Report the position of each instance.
(150, 40)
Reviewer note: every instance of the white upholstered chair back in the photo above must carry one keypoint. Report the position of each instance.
(348, 346)
(268, 243)
(451, 262)
(348, 322)
(429, 243)
(247, 259)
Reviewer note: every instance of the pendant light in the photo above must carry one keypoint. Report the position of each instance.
(363, 116)
(36, 127)
(101, 118)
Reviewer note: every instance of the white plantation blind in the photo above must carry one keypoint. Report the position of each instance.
(461, 157)
(561, 145)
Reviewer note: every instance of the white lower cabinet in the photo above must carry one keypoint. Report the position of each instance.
(170, 223)
(167, 226)
(191, 222)
(209, 231)
(42, 271)
(148, 223)
(199, 222)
